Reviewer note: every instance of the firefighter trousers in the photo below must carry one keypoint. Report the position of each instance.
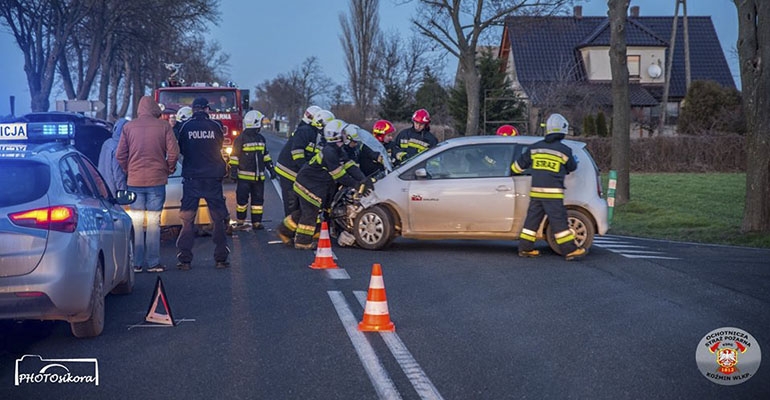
(253, 192)
(557, 218)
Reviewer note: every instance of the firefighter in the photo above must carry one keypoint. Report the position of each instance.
(507, 130)
(414, 140)
(315, 183)
(298, 150)
(383, 131)
(250, 163)
(369, 160)
(550, 161)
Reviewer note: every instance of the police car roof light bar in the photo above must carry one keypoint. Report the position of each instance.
(38, 132)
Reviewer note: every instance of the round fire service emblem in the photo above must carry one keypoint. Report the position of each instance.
(728, 356)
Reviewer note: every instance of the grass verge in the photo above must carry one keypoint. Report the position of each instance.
(691, 207)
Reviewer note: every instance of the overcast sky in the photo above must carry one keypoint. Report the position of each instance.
(267, 37)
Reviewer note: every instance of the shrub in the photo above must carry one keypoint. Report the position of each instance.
(589, 125)
(601, 125)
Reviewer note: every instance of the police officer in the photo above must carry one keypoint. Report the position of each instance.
(550, 161)
(315, 183)
(298, 150)
(414, 140)
(203, 168)
(250, 163)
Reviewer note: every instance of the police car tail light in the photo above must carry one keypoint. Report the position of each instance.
(56, 218)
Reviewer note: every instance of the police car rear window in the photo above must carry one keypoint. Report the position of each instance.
(23, 181)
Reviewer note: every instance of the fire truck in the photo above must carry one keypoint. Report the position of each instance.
(227, 103)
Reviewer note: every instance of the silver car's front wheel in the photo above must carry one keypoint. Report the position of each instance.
(581, 226)
(373, 228)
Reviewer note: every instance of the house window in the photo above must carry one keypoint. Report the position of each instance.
(633, 66)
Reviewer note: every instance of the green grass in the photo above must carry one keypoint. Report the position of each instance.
(692, 207)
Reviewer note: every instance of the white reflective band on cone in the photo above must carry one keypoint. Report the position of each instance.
(324, 252)
(376, 282)
(376, 307)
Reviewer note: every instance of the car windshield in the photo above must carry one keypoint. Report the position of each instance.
(219, 100)
(23, 181)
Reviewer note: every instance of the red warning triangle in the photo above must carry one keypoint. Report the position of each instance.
(160, 311)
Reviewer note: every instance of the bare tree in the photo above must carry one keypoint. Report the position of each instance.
(360, 35)
(457, 26)
(754, 52)
(41, 29)
(621, 104)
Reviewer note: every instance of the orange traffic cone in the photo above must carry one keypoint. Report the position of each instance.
(324, 258)
(376, 317)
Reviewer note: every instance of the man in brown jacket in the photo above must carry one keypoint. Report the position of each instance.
(148, 152)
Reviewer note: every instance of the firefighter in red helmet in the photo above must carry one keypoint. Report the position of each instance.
(383, 131)
(507, 130)
(414, 140)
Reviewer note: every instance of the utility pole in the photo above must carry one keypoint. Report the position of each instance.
(670, 60)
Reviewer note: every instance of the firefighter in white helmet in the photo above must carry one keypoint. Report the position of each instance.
(550, 161)
(300, 147)
(250, 166)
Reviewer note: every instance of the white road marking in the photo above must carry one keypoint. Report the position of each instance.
(277, 185)
(383, 385)
(337, 273)
(628, 250)
(409, 365)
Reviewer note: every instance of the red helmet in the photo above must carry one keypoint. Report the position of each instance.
(507, 130)
(421, 116)
(382, 128)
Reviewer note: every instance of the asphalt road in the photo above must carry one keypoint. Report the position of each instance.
(473, 321)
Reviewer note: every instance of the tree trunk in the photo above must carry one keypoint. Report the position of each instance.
(621, 105)
(754, 54)
(473, 92)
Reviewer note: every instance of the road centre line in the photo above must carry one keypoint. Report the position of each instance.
(648, 256)
(409, 365)
(337, 273)
(380, 379)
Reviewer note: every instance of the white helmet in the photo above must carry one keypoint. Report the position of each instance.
(333, 130)
(184, 114)
(557, 124)
(253, 119)
(322, 118)
(350, 133)
(310, 114)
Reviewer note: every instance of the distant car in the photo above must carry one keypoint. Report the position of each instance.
(65, 240)
(170, 215)
(464, 189)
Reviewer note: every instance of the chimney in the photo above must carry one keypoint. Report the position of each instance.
(635, 11)
(578, 12)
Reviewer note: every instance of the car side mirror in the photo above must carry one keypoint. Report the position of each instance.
(125, 197)
(421, 173)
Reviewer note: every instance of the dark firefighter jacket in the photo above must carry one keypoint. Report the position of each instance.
(550, 160)
(317, 181)
(200, 142)
(250, 156)
(410, 143)
(368, 159)
(297, 151)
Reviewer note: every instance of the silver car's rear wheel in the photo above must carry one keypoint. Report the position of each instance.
(581, 226)
(373, 228)
(94, 325)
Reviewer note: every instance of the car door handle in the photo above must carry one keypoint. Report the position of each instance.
(503, 188)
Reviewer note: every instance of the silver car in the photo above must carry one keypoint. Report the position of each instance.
(169, 217)
(464, 189)
(65, 240)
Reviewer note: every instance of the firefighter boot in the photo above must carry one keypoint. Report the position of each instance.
(529, 253)
(576, 254)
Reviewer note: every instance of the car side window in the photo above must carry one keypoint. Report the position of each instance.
(518, 150)
(101, 187)
(474, 161)
(76, 177)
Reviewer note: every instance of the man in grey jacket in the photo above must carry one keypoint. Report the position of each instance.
(108, 164)
(148, 152)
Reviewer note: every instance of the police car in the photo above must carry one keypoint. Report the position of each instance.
(65, 239)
